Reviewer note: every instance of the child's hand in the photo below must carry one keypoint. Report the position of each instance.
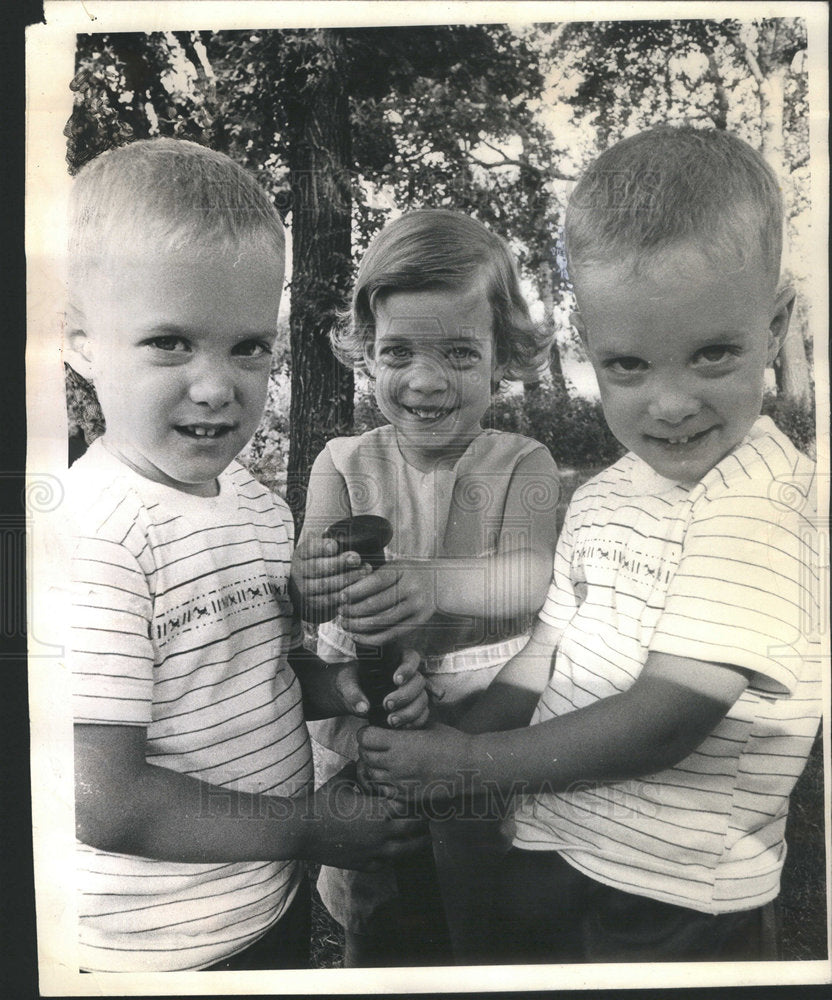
(417, 765)
(319, 574)
(349, 829)
(390, 602)
(407, 703)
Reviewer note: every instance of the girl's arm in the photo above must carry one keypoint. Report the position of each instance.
(318, 572)
(512, 583)
(510, 699)
(127, 806)
(674, 704)
(331, 689)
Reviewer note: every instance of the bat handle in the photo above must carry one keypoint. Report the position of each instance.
(367, 534)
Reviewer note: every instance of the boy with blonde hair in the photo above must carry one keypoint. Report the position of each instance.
(194, 788)
(675, 688)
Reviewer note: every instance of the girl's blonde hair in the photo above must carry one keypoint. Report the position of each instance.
(433, 249)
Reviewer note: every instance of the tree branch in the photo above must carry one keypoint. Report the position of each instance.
(720, 96)
(523, 164)
(753, 65)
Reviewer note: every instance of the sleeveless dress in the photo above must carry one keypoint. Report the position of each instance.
(455, 511)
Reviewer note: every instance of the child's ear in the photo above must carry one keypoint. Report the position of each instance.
(370, 357)
(500, 361)
(577, 321)
(779, 325)
(77, 344)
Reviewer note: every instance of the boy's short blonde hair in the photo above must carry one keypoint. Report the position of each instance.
(436, 249)
(670, 185)
(169, 194)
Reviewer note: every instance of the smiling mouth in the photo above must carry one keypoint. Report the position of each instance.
(202, 431)
(682, 439)
(426, 413)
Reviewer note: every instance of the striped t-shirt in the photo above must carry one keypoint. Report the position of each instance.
(181, 624)
(723, 571)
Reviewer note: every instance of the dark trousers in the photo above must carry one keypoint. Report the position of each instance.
(283, 946)
(552, 913)
(469, 851)
(409, 930)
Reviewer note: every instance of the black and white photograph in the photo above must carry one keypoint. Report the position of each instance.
(427, 495)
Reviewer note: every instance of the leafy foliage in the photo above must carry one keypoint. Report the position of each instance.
(794, 420)
(127, 87)
(425, 106)
(571, 427)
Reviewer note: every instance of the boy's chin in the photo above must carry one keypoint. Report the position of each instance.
(198, 482)
(202, 485)
(682, 463)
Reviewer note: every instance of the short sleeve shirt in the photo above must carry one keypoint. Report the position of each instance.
(723, 571)
(181, 625)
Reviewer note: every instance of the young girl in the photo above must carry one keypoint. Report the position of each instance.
(438, 321)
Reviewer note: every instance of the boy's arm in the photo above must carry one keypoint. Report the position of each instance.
(127, 806)
(319, 574)
(403, 595)
(672, 706)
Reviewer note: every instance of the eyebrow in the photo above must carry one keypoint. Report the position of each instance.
(462, 338)
(695, 342)
(172, 330)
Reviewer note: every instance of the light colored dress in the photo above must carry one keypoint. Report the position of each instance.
(449, 512)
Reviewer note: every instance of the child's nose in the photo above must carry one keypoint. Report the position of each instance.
(428, 375)
(211, 386)
(673, 405)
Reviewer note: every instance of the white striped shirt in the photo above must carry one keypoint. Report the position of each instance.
(181, 624)
(724, 571)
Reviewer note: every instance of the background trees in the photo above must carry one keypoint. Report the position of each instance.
(346, 126)
(333, 121)
(746, 76)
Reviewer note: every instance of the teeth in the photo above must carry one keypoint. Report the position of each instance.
(205, 431)
(426, 414)
(683, 440)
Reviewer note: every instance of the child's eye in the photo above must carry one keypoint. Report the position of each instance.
(714, 354)
(626, 365)
(395, 354)
(463, 355)
(170, 344)
(252, 349)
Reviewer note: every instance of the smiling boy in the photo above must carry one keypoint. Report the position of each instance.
(182, 377)
(194, 784)
(675, 687)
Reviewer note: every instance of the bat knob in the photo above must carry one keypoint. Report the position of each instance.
(366, 534)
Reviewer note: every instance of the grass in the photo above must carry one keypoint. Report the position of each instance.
(327, 935)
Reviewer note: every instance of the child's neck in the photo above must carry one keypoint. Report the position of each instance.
(211, 488)
(427, 459)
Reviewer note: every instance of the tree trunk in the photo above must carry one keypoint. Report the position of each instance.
(319, 159)
(791, 370)
(544, 286)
